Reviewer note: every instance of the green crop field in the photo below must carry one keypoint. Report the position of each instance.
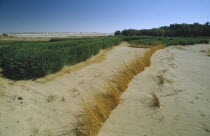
(168, 41)
(22, 60)
(30, 60)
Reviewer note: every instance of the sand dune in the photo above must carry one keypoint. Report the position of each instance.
(179, 76)
(32, 108)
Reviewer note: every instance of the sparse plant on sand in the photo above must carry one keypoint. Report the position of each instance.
(203, 51)
(98, 110)
(51, 98)
(160, 79)
(156, 100)
(208, 53)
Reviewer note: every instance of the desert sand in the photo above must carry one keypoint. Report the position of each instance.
(184, 95)
(36, 108)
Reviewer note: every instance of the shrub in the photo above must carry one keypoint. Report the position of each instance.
(5, 35)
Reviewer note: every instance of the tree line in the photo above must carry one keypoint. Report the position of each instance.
(174, 30)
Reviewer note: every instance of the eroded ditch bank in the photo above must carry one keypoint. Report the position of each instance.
(98, 110)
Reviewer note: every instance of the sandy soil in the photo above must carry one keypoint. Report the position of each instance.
(184, 97)
(32, 108)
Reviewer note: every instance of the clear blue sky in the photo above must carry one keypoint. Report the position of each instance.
(98, 15)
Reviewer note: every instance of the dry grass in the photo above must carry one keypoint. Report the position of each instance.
(140, 45)
(145, 45)
(156, 100)
(99, 109)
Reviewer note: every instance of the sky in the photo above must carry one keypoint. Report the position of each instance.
(98, 15)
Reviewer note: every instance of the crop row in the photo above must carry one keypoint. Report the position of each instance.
(34, 60)
(30, 60)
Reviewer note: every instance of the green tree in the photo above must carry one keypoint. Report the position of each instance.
(206, 29)
(131, 32)
(118, 33)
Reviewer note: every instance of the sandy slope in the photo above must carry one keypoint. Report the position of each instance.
(184, 97)
(29, 108)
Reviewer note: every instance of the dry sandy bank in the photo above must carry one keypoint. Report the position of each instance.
(184, 97)
(29, 108)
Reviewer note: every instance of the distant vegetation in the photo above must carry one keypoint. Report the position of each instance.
(67, 39)
(34, 59)
(168, 41)
(146, 32)
(31, 60)
(5, 35)
(174, 30)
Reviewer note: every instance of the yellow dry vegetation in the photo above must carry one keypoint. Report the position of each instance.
(99, 109)
(140, 45)
(136, 45)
